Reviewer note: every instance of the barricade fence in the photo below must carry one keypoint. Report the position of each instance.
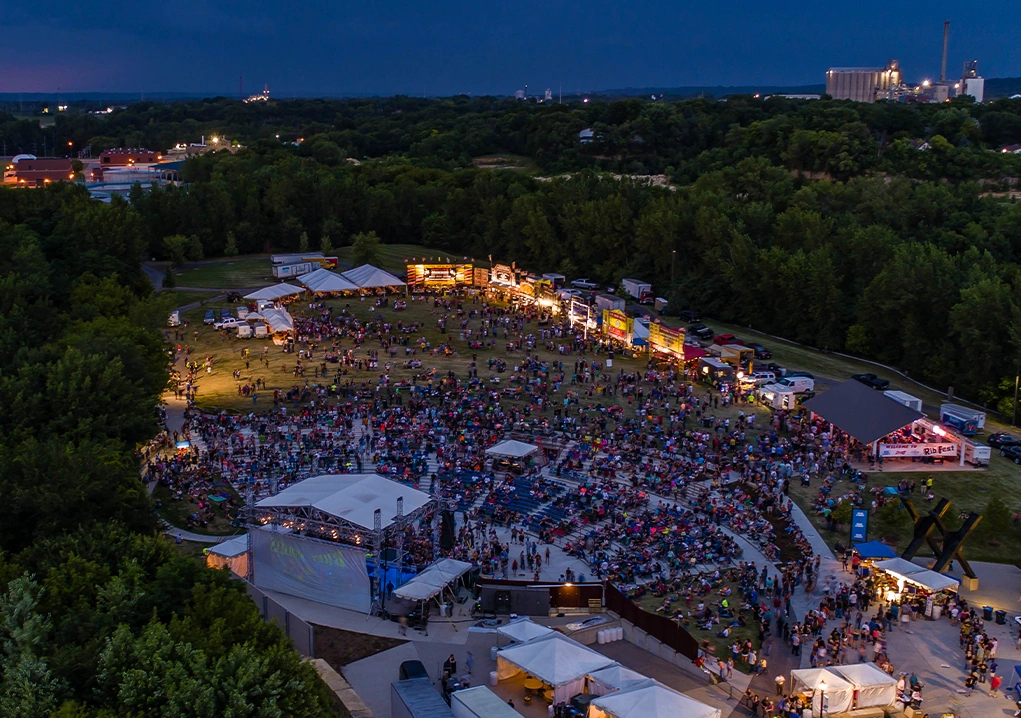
(302, 634)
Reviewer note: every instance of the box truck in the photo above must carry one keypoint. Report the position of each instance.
(642, 291)
(609, 302)
(416, 698)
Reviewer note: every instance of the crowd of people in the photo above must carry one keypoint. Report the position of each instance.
(652, 476)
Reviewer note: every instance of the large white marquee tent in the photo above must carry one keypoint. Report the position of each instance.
(875, 688)
(523, 630)
(512, 449)
(276, 292)
(369, 277)
(839, 693)
(323, 281)
(650, 699)
(555, 660)
(612, 678)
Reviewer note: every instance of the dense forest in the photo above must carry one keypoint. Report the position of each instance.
(99, 615)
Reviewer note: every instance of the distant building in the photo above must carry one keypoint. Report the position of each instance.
(795, 96)
(971, 83)
(130, 156)
(863, 84)
(32, 172)
(586, 136)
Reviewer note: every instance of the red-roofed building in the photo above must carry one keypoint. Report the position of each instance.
(35, 173)
(129, 156)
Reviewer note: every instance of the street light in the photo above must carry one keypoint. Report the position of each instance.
(822, 697)
(673, 258)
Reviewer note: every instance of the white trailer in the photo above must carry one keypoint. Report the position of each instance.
(912, 402)
(297, 269)
(642, 291)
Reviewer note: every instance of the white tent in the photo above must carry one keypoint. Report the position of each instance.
(612, 678)
(277, 291)
(513, 449)
(433, 579)
(875, 688)
(555, 660)
(839, 693)
(323, 281)
(523, 630)
(279, 320)
(232, 554)
(369, 277)
(650, 699)
(907, 571)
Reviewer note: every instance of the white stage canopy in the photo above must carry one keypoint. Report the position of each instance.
(875, 688)
(323, 281)
(839, 693)
(613, 678)
(350, 497)
(433, 579)
(277, 291)
(523, 630)
(556, 660)
(513, 449)
(650, 699)
(369, 277)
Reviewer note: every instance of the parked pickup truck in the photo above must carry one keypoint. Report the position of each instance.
(872, 381)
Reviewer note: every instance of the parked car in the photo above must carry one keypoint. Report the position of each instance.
(689, 315)
(210, 317)
(726, 339)
(566, 294)
(758, 378)
(228, 323)
(224, 312)
(1001, 440)
(701, 331)
(760, 351)
(1011, 453)
(797, 384)
(610, 289)
(872, 381)
(790, 373)
(584, 283)
(775, 368)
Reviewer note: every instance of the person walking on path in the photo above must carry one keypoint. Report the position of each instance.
(994, 685)
(779, 685)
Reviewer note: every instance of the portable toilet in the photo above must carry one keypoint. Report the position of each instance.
(244, 331)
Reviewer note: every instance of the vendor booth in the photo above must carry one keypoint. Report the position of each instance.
(873, 687)
(874, 550)
(556, 660)
(232, 554)
(819, 684)
(613, 678)
(523, 630)
(650, 699)
(903, 582)
(429, 584)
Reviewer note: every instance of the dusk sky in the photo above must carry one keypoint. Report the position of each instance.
(450, 46)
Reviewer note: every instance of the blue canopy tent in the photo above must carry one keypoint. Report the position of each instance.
(874, 550)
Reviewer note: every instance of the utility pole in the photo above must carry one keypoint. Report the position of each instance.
(673, 259)
(1017, 379)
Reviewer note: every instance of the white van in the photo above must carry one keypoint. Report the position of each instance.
(758, 378)
(174, 320)
(798, 384)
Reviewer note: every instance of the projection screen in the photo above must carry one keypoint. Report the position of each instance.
(321, 571)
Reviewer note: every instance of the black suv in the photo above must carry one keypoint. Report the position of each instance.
(1011, 453)
(1001, 441)
(760, 351)
(689, 315)
(872, 381)
(701, 331)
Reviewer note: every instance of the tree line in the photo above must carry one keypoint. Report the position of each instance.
(99, 615)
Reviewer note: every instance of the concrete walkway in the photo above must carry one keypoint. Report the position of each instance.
(197, 538)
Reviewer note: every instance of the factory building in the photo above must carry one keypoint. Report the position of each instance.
(127, 157)
(971, 83)
(863, 84)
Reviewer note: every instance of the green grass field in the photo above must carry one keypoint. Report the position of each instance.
(740, 634)
(176, 513)
(237, 273)
(188, 296)
(394, 257)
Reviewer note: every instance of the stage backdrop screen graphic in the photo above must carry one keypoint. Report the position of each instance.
(317, 570)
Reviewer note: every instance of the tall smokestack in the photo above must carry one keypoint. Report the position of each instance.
(946, 39)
